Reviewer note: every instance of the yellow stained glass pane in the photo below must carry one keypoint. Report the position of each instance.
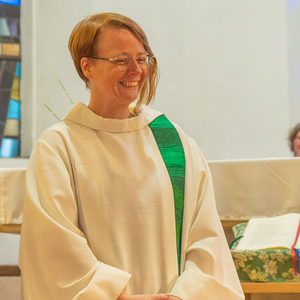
(11, 49)
(15, 92)
(11, 128)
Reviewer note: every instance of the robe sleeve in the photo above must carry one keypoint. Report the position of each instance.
(208, 270)
(55, 259)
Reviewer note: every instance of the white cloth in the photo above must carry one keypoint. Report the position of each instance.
(11, 195)
(246, 189)
(103, 210)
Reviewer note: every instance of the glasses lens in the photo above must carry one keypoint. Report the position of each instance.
(123, 61)
(142, 60)
(145, 60)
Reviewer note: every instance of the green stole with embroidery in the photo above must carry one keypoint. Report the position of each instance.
(172, 152)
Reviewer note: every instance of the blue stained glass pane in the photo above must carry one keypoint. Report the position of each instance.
(18, 69)
(13, 109)
(9, 148)
(11, 2)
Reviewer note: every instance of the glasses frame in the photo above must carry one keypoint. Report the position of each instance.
(114, 60)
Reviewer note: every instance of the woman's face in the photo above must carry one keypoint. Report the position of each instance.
(296, 144)
(109, 84)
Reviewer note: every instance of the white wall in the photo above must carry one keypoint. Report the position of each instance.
(293, 17)
(224, 68)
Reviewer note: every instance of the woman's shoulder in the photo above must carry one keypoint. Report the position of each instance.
(67, 124)
(189, 144)
(185, 138)
(58, 129)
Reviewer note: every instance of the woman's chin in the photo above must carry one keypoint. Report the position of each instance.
(129, 96)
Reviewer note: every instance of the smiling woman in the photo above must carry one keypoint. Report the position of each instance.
(113, 90)
(84, 42)
(122, 198)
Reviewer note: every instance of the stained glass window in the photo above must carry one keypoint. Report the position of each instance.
(11, 2)
(10, 78)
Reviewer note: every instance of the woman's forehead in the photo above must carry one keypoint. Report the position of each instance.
(116, 40)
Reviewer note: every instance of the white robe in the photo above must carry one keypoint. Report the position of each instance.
(99, 216)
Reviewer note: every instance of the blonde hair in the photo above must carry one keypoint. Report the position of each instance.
(85, 35)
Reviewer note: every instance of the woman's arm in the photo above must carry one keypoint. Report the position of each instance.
(208, 269)
(55, 258)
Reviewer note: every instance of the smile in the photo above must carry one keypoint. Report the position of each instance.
(129, 83)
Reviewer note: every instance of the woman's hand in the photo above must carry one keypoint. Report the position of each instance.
(125, 296)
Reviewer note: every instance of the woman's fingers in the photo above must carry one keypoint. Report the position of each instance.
(162, 297)
(152, 297)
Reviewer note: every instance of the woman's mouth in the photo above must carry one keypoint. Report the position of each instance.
(129, 83)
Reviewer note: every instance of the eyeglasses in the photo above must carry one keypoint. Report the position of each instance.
(124, 60)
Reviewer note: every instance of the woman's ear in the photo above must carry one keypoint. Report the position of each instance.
(85, 64)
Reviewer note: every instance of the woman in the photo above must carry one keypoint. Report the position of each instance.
(294, 139)
(102, 198)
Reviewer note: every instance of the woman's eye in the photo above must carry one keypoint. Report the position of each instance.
(122, 61)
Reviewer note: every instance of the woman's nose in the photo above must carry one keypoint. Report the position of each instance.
(135, 67)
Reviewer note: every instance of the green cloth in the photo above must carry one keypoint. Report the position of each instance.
(274, 265)
(172, 152)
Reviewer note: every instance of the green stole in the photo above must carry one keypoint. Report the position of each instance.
(172, 152)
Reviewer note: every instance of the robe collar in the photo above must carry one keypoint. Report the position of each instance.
(82, 115)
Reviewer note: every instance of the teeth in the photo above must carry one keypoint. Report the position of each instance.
(129, 83)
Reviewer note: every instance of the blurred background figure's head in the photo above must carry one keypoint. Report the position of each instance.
(294, 139)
